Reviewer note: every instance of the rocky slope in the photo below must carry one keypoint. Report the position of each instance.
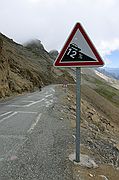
(25, 68)
(53, 54)
(99, 134)
(4, 72)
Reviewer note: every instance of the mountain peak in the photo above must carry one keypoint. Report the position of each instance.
(34, 44)
(53, 53)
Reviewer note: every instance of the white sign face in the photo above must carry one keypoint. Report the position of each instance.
(80, 41)
(78, 51)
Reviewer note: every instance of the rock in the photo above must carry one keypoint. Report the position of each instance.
(95, 118)
(1, 45)
(117, 168)
(102, 127)
(74, 136)
(73, 107)
(34, 45)
(94, 127)
(104, 177)
(53, 54)
(91, 175)
(117, 146)
(85, 161)
(91, 113)
(69, 99)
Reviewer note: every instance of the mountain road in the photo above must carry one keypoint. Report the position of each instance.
(33, 141)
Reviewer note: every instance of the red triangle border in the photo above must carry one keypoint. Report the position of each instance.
(58, 62)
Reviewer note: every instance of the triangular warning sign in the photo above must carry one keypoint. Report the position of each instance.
(78, 51)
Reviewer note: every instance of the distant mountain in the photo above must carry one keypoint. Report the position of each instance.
(110, 72)
(113, 71)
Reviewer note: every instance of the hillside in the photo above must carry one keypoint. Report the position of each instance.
(99, 125)
(25, 68)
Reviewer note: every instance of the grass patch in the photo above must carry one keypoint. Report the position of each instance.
(98, 82)
(104, 89)
(109, 93)
(92, 79)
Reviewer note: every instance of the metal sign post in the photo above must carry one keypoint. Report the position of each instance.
(78, 51)
(78, 100)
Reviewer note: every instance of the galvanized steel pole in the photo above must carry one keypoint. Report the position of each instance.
(78, 99)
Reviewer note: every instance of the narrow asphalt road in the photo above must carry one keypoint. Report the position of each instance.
(33, 141)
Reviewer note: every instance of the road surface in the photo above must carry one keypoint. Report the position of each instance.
(33, 141)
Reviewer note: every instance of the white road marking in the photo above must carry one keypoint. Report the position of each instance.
(30, 102)
(49, 95)
(27, 105)
(14, 113)
(27, 112)
(6, 113)
(15, 105)
(53, 89)
(35, 102)
(35, 123)
(27, 101)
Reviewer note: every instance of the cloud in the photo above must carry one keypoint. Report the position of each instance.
(107, 47)
(51, 21)
(34, 1)
(108, 61)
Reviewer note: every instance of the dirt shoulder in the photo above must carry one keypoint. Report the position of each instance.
(99, 134)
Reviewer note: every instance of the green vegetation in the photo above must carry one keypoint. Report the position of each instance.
(98, 82)
(108, 92)
(104, 89)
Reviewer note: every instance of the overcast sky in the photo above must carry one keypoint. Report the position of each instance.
(51, 21)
